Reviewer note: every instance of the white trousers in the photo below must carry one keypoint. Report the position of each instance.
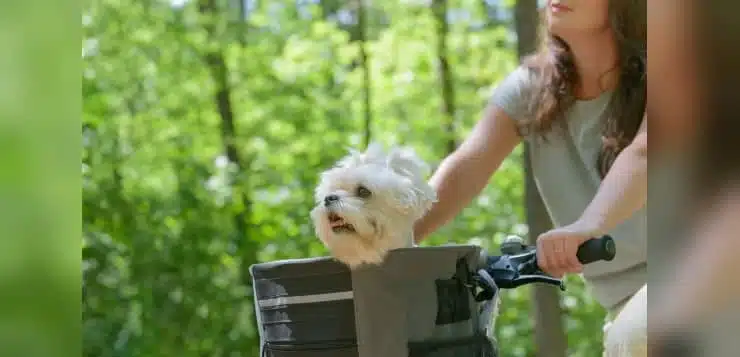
(625, 333)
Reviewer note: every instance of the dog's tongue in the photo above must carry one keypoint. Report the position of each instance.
(335, 220)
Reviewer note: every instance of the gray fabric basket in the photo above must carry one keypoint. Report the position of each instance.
(416, 304)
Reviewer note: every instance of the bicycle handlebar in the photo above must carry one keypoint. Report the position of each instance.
(518, 265)
(597, 249)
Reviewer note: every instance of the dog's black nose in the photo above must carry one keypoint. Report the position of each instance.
(329, 199)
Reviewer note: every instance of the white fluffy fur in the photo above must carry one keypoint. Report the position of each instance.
(383, 221)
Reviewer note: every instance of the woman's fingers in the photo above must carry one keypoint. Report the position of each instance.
(557, 253)
(544, 256)
(574, 265)
(547, 259)
(560, 255)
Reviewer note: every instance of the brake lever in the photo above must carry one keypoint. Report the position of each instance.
(516, 267)
(510, 272)
(529, 279)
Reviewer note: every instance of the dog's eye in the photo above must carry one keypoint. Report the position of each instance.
(363, 192)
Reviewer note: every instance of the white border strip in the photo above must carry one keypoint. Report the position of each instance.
(306, 299)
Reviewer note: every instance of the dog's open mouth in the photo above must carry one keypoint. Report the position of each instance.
(339, 225)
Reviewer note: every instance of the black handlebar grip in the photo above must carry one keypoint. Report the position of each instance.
(597, 249)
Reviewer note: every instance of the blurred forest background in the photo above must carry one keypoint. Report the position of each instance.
(206, 123)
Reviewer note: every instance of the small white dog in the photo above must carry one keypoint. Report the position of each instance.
(367, 204)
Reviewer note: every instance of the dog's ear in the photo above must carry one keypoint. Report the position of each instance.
(405, 162)
(425, 197)
(418, 198)
(421, 196)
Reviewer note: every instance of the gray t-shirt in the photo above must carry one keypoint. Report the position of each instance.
(564, 169)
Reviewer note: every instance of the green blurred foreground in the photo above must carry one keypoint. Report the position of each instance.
(204, 136)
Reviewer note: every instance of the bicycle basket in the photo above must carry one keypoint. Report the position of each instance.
(418, 303)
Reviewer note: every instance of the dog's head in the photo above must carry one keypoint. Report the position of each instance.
(367, 204)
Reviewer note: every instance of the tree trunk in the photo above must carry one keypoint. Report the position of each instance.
(222, 98)
(366, 95)
(439, 8)
(549, 332)
(246, 248)
(329, 7)
(490, 9)
(526, 22)
(242, 22)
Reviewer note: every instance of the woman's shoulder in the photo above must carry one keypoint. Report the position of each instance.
(522, 75)
(513, 93)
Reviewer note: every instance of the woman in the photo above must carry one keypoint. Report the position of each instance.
(579, 103)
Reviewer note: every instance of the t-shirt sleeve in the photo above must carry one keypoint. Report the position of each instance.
(513, 94)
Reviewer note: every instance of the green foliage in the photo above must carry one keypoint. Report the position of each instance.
(164, 252)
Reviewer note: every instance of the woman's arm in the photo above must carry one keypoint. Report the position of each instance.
(622, 192)
(465, 172)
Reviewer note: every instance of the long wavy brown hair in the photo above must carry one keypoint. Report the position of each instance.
(557, 79)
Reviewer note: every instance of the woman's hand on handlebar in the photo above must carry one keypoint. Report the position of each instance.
(557, 249)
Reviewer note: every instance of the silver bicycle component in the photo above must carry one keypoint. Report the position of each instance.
(512, 245)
